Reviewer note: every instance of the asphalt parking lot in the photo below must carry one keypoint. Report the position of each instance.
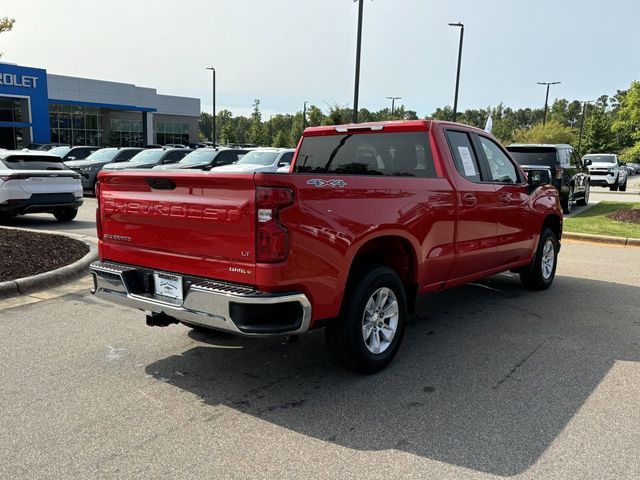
(491, 381)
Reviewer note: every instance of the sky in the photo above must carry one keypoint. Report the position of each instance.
(284, 52)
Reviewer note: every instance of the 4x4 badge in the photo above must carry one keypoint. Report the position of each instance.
(318, 182)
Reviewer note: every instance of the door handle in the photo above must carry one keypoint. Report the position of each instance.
(505, 198)
(469, 199)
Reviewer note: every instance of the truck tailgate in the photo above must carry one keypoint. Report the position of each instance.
(197, 224)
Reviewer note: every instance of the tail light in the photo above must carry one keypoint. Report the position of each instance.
(559, 173)
(98, 220)
(6, 178)
(272, 237)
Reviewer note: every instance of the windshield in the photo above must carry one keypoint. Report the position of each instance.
(258, 158)
(148, 156)
(601, 158)
(104, 154)
(534, 156)
(59, 151)
(33, 162)
(198, 157)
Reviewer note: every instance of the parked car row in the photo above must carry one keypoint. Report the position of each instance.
(571, 175)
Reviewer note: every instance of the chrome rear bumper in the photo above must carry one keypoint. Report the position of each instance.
(207, 303)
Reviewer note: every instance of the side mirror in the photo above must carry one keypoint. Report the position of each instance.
(537, 178)
(284, 164)
(71, 158)
(587, 162)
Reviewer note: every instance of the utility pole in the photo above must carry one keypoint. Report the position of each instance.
(304, 115)
(358, 49)
(584, 113)
(213, 116)
(393, 103)
(546, 99)
(455, 98)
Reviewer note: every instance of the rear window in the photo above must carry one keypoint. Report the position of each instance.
(33, 162)
(534, 156)
(392, 154)
(601, 158)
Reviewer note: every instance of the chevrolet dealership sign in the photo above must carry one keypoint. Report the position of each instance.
(13, 80)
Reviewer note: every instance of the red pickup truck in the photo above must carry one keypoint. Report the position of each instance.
(369, 217)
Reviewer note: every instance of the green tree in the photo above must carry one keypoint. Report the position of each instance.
(296, 129)
(626, 123)
(338, 115)
(551, 132)
(6, 25)
(228, 134)
(598, 135)
(204, 124)
(444, 113)
(281, 140)
(256, 132)
(314, 116)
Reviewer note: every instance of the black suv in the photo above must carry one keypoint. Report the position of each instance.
(67, 153)
(90, 166)
(568, 172)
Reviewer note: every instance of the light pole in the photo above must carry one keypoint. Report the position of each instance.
(358, 48)
(393, 103)
(546, 99)
(455, 98)
(213, 117)
(584, 113)
(304, 115)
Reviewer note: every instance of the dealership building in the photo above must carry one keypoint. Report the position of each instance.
(39, 107)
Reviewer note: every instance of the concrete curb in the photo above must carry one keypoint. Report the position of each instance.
(54, 278)
(584, 237)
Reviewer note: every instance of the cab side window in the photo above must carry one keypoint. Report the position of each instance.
(173, 157)
(286, 159)
(226, 158)
(501, 168)
(575, 159)
(463, 155)
(126, 155)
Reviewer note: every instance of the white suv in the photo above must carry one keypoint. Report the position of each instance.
(605, 171)
(36, 182)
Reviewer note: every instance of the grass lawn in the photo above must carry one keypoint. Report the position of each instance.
(595, 222)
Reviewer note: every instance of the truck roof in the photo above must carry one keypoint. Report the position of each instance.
(540, 145)
(387, 126)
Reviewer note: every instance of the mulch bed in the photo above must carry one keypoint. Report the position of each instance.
(23, 253)
(627, 215)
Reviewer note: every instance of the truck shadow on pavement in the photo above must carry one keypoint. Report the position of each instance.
(488, 376)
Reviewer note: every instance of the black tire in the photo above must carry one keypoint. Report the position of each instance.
(623, 187)
(567, 206)
(535, 277)
(614, 187)
(65, 214)
(345, 338)
(585, 199)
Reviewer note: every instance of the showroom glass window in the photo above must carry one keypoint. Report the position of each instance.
(11, 111)
(126, 133)
(75, 125)
(172, 132)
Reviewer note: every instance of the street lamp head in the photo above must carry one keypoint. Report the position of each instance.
(211, 68)
(459, 24)
(549, 83)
